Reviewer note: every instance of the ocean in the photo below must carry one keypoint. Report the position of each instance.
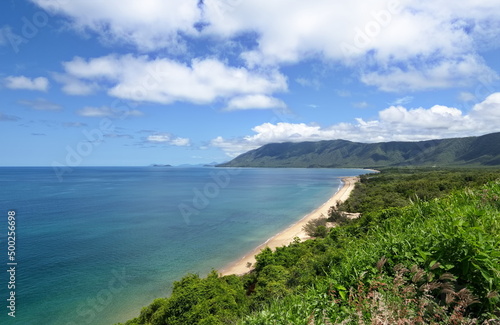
(97, 244)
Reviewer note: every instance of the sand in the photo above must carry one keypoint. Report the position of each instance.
(287, 236)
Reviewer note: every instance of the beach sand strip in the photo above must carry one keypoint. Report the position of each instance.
(296, 230)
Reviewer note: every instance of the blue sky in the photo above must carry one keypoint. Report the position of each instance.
(111, 83)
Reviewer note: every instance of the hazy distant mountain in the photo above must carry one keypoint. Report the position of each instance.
(199, 165)
(481, 151)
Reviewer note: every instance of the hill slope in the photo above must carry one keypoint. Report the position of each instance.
(478, 151)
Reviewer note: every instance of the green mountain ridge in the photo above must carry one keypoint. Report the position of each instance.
(469, 151)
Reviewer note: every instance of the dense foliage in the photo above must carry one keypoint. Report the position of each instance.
(397, 187)
(432, 261)
(211, 300)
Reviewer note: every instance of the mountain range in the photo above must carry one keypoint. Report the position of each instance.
(469, 151)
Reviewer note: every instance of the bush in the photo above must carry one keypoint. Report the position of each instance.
(316, 227)
(337, 216)
(212, 300)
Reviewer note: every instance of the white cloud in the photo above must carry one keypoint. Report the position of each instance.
(96, 111)
(288, 31)
(105, 111)
(396, 45)
(307, 29)
(233, 147)
(466, 96)
(444, 73)
(402, 101)
(436, 117)
(305, 82)
(22, 82)
(181, 142)
(75, 86)
(148, 24)
(41, 104)
(488, 110)
(166, 81)
(362, 104)
(167, 138)
(271, 133)
(255, 102)
(395, 123)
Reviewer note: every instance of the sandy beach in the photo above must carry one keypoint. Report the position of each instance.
(287, 236)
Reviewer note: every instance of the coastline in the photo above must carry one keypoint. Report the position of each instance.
(287, 236)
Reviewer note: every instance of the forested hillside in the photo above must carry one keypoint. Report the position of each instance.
(470, 151)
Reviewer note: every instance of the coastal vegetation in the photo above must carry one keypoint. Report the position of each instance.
(317, 227)
(398, 187)
(425, 250)
(469, 151)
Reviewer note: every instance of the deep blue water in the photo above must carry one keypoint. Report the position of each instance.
(96, 246)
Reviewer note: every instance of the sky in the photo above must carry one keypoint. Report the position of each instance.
(134, 83)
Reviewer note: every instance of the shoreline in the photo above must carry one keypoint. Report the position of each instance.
(287, 236)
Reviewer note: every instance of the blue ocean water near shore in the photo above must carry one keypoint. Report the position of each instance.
(103, 242)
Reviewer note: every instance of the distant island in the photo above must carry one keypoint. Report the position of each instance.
(470, 151)
(160, 165)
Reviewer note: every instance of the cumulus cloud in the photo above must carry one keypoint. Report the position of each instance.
(105, 111)
(169, 139)
(22, 82)
(398, 45)
(436, 117)
(395, 123)
(488, 110)
(165, 81)
(395, 45)
(148, 24)
(271, 133)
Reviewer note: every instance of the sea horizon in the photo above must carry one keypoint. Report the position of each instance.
(98, 245)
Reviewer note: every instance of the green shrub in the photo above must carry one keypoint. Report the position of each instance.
(316, 227)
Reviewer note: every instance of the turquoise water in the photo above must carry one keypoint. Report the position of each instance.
(96, 246)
